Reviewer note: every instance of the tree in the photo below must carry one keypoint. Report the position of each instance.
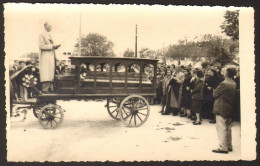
(231, 24)
(32, 56)
(212, 47)
(129, 53)
(219, 49)
(95, 45)
(184, 49)
(146, 53)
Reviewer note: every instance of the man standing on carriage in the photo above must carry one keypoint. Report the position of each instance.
(47, 59)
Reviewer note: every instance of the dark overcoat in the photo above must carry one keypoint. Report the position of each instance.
(224, 96)
(197, 96)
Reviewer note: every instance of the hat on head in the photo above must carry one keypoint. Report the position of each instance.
(199, 73)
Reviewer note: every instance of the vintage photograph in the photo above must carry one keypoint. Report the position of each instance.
(129, 82)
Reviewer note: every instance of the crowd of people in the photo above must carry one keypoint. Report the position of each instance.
(20, 74)
(206, 92)
(188, 92)
(22, 69)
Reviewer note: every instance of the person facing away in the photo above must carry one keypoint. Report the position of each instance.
(47, 59)
(224, 104)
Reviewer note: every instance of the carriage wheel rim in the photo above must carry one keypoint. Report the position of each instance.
(50, 116)
(113, 108)
(139, 111)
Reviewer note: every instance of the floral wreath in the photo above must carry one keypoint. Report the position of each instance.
(29, 80)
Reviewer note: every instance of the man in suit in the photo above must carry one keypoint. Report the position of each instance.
(47, 59)
(224, 104)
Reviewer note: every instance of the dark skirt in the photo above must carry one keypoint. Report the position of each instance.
(186, 100)
(164, 99)
(196, 106)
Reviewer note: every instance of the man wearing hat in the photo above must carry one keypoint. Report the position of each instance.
(47, 59)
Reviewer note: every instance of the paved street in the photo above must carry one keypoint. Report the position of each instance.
(88, 133)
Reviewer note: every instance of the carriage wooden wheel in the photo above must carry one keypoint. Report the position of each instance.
(134, 110)
(50, 116)
(113, 107)
(36, 111)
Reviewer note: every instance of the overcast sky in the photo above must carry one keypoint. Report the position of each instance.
(157, 25)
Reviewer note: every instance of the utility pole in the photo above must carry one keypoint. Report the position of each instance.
(163, 56)
(80, 35)
(136, 41)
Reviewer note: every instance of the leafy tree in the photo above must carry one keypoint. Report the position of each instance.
(218, 49)
(231, 24)
(214, 48)
(146, 53)
(32, 56)
(175, 52)
(158, 54)
(95, 45)
(129, 53)
(183, 50)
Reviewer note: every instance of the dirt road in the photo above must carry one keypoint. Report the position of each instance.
(88, 133)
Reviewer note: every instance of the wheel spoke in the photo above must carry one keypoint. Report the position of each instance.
(56, 113)
(117, 113)
(139, 109)
(142, 113)
(114, 110)
(131, 119)
(128, 108)
(112, 106)
(139, 117)
(135, 118)
(125, 112)
(55, 121)
(51, 123)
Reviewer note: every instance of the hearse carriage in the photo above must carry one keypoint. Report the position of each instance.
(126, 83)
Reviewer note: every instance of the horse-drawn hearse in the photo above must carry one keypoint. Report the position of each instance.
(123, 82)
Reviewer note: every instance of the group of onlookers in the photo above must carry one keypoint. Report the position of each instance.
(188, 91)
(209, 92)
(20, 74)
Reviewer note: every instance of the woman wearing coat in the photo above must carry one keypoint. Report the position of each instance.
(186, 94)
(197, 96)
(47, 59)
(211, 82)
(175, 91)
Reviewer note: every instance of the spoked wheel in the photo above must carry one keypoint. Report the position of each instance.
(50, 116)
(36, 111)
(134, 110)
(113, 108)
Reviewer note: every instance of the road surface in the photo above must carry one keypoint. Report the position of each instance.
(88, 133)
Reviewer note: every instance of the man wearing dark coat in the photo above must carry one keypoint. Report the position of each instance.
(224, 104)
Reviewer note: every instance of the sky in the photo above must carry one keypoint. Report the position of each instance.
(158, 26)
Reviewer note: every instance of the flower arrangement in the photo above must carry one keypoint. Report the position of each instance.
(28, 80)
